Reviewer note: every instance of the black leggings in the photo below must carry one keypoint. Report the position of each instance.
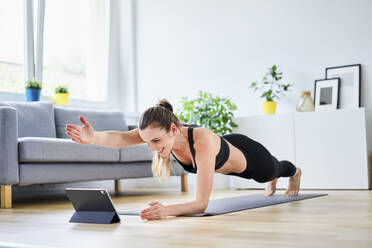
(261, 165)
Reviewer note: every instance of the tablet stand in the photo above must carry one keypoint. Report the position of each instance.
(100, 217)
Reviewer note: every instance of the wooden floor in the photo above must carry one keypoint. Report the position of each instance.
(341, 219)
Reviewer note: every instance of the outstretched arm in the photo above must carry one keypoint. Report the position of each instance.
(85, 134)
(117, 139)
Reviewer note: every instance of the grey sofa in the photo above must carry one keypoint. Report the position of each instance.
(35, 149)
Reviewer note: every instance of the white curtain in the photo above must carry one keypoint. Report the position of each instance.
(122, 55)
(40, 41)
(29, 66)
(33, 64)
(96, 73)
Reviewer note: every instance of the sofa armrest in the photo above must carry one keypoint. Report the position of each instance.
(9, 172)
(130, 127)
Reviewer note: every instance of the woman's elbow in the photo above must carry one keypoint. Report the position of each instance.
(203, 206)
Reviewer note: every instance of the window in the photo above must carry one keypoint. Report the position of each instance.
(74, 48)
(11, 46)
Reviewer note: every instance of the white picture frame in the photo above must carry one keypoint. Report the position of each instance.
(326, 94)
(350, 84)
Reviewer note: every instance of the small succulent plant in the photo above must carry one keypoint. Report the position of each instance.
(61, 89)
(33, 84)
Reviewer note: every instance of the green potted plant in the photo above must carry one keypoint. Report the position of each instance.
(271, 86)
(208, 111)
(33, 89)
(61, 94)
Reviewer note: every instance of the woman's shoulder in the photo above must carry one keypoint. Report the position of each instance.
(200, 133)
(205, 138)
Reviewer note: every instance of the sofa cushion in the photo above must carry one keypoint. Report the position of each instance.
(35, 149)
(101, 120)
(139, 152)
(136, 153)
(35, 119)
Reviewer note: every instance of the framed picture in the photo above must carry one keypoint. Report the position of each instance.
(350, 76)
(326, 94)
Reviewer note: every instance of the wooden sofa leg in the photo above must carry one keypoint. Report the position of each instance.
(6, 196)
(184, 185)
(117, 185)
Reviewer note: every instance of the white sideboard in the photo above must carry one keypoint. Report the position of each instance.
(333, 148)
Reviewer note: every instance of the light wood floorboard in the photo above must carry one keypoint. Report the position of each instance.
(341, 219)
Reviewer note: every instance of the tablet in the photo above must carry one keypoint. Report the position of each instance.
(92, 206)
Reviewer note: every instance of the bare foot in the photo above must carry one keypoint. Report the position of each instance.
(294, 183)
(271, 187)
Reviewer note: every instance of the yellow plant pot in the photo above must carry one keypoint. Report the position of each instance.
(269, 107)
(62, 98)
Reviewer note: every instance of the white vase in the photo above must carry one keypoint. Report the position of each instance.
(305, 102)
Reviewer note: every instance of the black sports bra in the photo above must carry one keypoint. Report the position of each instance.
(221, 157)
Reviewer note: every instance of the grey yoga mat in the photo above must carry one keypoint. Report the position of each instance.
(237, 203)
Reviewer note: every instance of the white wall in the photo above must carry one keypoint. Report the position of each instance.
(223, 45)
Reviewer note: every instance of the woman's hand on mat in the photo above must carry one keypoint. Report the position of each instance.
(81, 134)
(156, 211)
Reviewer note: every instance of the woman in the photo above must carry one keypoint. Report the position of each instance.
(198, 150)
